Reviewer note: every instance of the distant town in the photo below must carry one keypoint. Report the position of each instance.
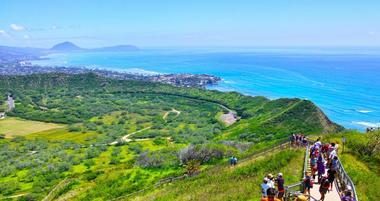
(16, 61)
(181, 80)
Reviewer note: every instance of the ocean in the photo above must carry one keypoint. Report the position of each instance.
(343, 82)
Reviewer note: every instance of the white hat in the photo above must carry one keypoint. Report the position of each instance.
(280, 174)
(348, 188)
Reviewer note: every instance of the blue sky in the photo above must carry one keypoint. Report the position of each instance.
(42, 23)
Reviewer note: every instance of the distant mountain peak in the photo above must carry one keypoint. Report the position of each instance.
(65, 46)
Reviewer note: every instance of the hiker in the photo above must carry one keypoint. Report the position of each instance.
(347, 195)
(280, 186)
(292, 139)
(324, 187)
(307, 183)
(271, 192)
(313, 165)
(301, 198)
(331, 177)
(334, 163)
(235, 160)
(318, 143)
(264, 187)
(321, 167)
(270, 180)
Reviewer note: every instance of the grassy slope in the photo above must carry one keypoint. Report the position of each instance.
(232, 183)
(15, 126)
(260, 115)
(62, 134)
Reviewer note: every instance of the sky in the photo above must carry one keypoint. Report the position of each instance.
(195, 23)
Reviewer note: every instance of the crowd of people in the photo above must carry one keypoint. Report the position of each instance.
(323, 170)
(298, 140)
(273, 189)
(323, 157)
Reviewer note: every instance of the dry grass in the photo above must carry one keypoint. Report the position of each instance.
(15, 126)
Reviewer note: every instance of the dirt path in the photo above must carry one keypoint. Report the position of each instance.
(172, 111)
(13, 196)
(125, 138)
(229, 118)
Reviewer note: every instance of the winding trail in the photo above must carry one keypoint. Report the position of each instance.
(172, 111)
(125, 138)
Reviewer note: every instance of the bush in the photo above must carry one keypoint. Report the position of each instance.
(9, 187)
(158, 159)
(202, 153)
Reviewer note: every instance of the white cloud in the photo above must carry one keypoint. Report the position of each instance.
(16, 27)
(3, 33)
(372, 33)
(26, 36)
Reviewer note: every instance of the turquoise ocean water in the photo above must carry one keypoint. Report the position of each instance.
(345, 83)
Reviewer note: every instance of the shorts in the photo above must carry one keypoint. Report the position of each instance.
(280, 194)
(323, 190)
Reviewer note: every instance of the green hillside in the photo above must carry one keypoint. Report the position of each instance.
(117, 137)
(241, 182)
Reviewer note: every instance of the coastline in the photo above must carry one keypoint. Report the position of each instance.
(344, 104)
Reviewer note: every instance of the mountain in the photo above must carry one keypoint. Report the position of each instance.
(117, 48)
(69, 46)
(66, 46)
(170, 130)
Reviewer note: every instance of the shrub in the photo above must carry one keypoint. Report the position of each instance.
(162, 158)
(201, 153)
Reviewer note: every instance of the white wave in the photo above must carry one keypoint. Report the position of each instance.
(364, 111)
(367, 124)
(229, 81)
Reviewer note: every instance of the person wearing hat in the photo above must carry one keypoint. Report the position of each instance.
(264, 187)
(270, 180)
(301, 198)
(280, 186)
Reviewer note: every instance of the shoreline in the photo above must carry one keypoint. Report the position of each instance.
(215, 85)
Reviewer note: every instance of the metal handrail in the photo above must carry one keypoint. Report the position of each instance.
(345, 179)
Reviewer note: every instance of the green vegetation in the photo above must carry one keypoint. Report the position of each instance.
(156, 131)
(241, 182)
(361, 160)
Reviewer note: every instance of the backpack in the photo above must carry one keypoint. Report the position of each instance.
(309, 181)
(325, 183)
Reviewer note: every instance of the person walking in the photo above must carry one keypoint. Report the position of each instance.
(307, 183)
(270, 180)
(235, 160)
(320, 167)
(324, 187)
(280, 186)
(264, 187)
(331, 177)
